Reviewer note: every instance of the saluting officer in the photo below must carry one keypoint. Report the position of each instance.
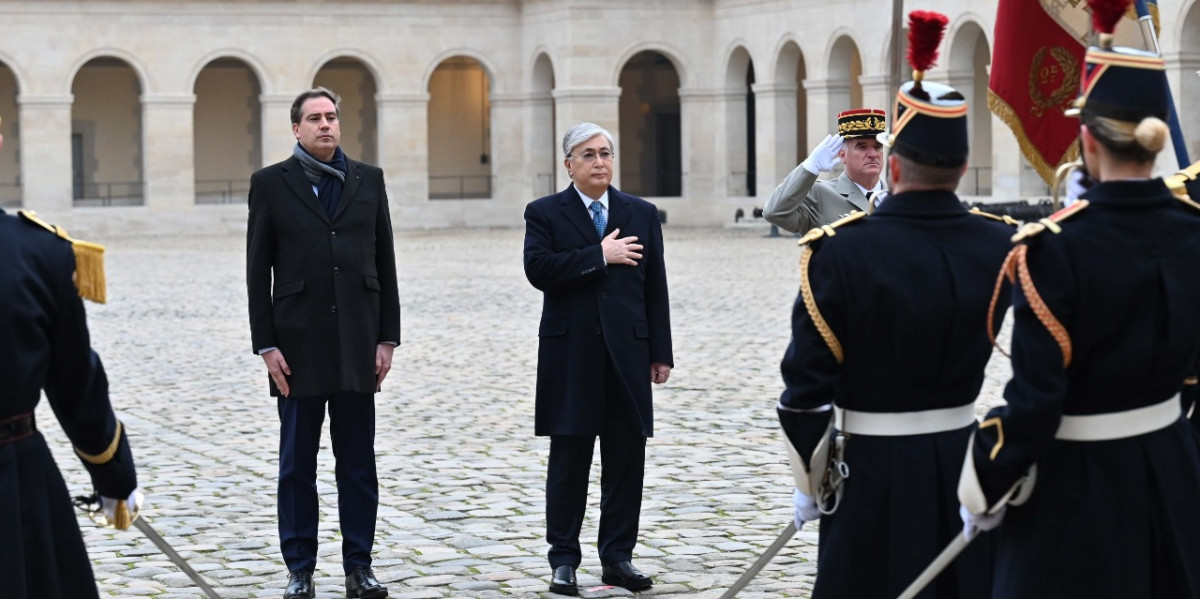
(801, 202)
(888, 350)
(1105, 329)
(45, 346)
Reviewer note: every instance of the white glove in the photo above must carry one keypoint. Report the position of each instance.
(974, 524)
(806, 508)
(1077, 183)
(121, 513)
(825, 156)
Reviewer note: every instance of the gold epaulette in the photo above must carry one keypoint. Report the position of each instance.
(1177, 183)
(1050, 222)
(823, 230)
(1006, 219)
(89, 260)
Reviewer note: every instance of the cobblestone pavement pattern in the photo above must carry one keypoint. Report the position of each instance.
(461, 474)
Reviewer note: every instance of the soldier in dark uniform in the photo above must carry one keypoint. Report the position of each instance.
(888, 344)
(45, 347)
(1106, 326)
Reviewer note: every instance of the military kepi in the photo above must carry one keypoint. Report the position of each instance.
(1126, 84)
(863, 122)
(929, 123)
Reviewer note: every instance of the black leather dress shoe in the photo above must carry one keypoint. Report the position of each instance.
(623, 574)
(300, 585)
(361, 584)
(563, 581)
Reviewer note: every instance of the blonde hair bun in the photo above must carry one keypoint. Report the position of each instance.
(1151, 133)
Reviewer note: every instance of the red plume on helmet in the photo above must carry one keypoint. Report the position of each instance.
(1105, 16)
(925, 29)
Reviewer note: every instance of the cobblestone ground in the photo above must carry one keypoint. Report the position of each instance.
(460, 471)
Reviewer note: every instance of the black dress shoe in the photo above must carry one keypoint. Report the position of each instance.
(300, 585)
(623, 574)
(361, 584)
(563, 581)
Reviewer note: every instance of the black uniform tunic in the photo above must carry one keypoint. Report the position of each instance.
(906, 292)
(44, 345)
(1115, 518)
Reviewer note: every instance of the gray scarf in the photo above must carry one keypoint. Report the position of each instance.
(315, 169)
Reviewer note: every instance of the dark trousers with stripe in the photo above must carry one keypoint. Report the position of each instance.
(352, 432)
(622, 466)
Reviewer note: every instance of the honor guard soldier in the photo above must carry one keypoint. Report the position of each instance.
(45, 347)
(1106, 326)
(801, 202)
(887, 357)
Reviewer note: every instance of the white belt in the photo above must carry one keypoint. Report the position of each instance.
(899, 424)
(1119, 425)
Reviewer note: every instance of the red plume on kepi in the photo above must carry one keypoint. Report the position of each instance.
(925, 29)
(1107, 13)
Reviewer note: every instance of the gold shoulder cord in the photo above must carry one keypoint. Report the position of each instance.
(814, 312)
(1015, 268)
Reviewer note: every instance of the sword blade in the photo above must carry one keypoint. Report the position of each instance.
(175, 558)
(935, 567)
(762, 561)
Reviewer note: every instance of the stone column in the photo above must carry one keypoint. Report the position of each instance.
(1183, 77)
(168, 163)
(775, 134)
(1006, 163)
(511, 184)
(876, 93)
(277, 136)
(731, 154)
(826, 98)
(600, 105)
(701, 117)
(404, 147)
(46, 170)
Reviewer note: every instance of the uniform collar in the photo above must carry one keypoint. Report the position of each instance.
(922, 203)
(1131, 193)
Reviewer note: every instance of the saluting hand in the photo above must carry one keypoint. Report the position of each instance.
(625, 250)
(277, 367)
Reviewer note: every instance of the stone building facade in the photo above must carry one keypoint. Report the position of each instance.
(168, 106)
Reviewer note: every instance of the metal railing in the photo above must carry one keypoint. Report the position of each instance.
(114, 193)
(976, 182)
(460, 187)
(222, 191)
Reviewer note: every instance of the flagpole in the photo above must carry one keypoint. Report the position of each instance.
(1147, 25)
(897, 59)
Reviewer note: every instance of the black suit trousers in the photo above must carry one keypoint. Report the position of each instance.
(622, 467)
(352, 432)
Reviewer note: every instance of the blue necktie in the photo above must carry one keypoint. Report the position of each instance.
(598, 218)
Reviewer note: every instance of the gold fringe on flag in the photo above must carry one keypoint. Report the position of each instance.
(1044, 169)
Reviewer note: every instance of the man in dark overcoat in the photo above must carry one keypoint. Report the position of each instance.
(605, 335)
(325, 317)
(46, 347)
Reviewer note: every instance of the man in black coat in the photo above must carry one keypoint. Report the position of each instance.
(45, 346)
(325, 317)
(605, 335)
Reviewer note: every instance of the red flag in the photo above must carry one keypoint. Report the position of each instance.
(1036, 64)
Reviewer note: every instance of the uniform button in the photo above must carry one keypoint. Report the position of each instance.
(333, 233)
(597, 330)
(337, 271)
(333, 308)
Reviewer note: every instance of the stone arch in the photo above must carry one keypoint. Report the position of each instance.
(844, 71)
(106, 131)
(229, 112)
(10, 165)
(651, 149)
(740, 155)
(459, 114)
(670, 53)
(968, 61)
(544, 151)
(357, 83)
(1189, 84)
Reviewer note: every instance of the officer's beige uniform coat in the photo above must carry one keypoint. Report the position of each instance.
(801, 202)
